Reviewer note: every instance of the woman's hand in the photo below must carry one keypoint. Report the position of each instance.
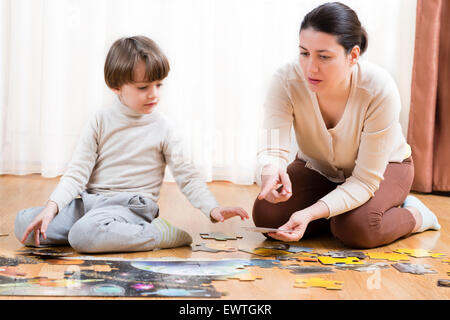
(40, 222)
(272, 179)
(298, 222)
(223, 213)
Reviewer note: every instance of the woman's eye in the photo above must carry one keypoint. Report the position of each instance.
(324, 57)
(142, 88)
(305, 54)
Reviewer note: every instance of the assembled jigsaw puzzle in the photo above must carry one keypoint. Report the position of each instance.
(34, 276)
(51, 272)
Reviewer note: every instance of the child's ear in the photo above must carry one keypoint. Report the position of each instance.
(116, 91)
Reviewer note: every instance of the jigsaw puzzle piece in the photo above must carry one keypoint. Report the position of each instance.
(245, 277)
(219, 236)
(345, 254)
(339, 261)
(214, 248)
(388, 256)
(299, 269)
(318, 282)
(419, 253)
(443, 283)
(413, 268)
(264, 252)
(364, 268)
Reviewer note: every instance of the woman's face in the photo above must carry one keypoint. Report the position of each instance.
(325, 64)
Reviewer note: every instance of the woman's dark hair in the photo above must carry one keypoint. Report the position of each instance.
(339, 20)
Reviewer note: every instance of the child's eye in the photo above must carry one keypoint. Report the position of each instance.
(143, 88)
(159, 85)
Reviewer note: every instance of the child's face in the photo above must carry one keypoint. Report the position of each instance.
(141, 96)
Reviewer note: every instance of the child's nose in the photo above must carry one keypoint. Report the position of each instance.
(153, 92)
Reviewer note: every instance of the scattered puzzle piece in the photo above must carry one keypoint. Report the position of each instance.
(301, 256)
(287, 247)
(318, 282)
(245, 277)
(299, 269)
(266, 252)
(419, 253)
(388, 256)
(338, 261)
(307, 259)
(413, 268)
(443, 283)
(45, 252)
(345, 254)
(219, 236)
(212, 247)
(364, 268)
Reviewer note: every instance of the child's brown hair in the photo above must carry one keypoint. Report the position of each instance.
(124, 55)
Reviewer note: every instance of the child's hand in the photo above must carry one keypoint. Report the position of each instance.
(40, 223)
(223, 213)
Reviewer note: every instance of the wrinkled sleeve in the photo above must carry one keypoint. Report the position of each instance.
(380, 132)
(79, 170)
(191, 183)
(275, 133)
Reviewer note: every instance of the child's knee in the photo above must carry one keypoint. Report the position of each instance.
(22, 221)
(81, 236)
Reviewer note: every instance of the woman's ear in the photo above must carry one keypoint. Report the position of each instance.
(354, 55)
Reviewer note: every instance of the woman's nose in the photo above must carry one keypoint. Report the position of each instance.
(313, 66)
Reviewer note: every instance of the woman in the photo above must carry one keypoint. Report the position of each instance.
(353, 170)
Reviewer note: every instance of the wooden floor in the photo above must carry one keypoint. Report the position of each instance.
(19, 192)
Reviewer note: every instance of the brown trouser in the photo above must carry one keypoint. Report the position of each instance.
(377, 222)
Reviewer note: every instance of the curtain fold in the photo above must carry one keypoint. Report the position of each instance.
(428, 131)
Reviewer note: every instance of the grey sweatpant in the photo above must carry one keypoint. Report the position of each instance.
(96, 223)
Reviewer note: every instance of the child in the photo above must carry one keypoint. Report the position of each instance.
(118, 168)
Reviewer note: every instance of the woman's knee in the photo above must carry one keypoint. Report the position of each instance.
(266, 214)
(358, 229)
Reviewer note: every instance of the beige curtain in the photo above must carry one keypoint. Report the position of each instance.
(429, 122)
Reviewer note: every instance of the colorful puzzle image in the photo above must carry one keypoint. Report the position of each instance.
(34, 276)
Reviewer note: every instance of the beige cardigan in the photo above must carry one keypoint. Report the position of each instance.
(355, 152)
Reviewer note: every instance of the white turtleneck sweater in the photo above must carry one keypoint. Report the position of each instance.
(123, 151)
